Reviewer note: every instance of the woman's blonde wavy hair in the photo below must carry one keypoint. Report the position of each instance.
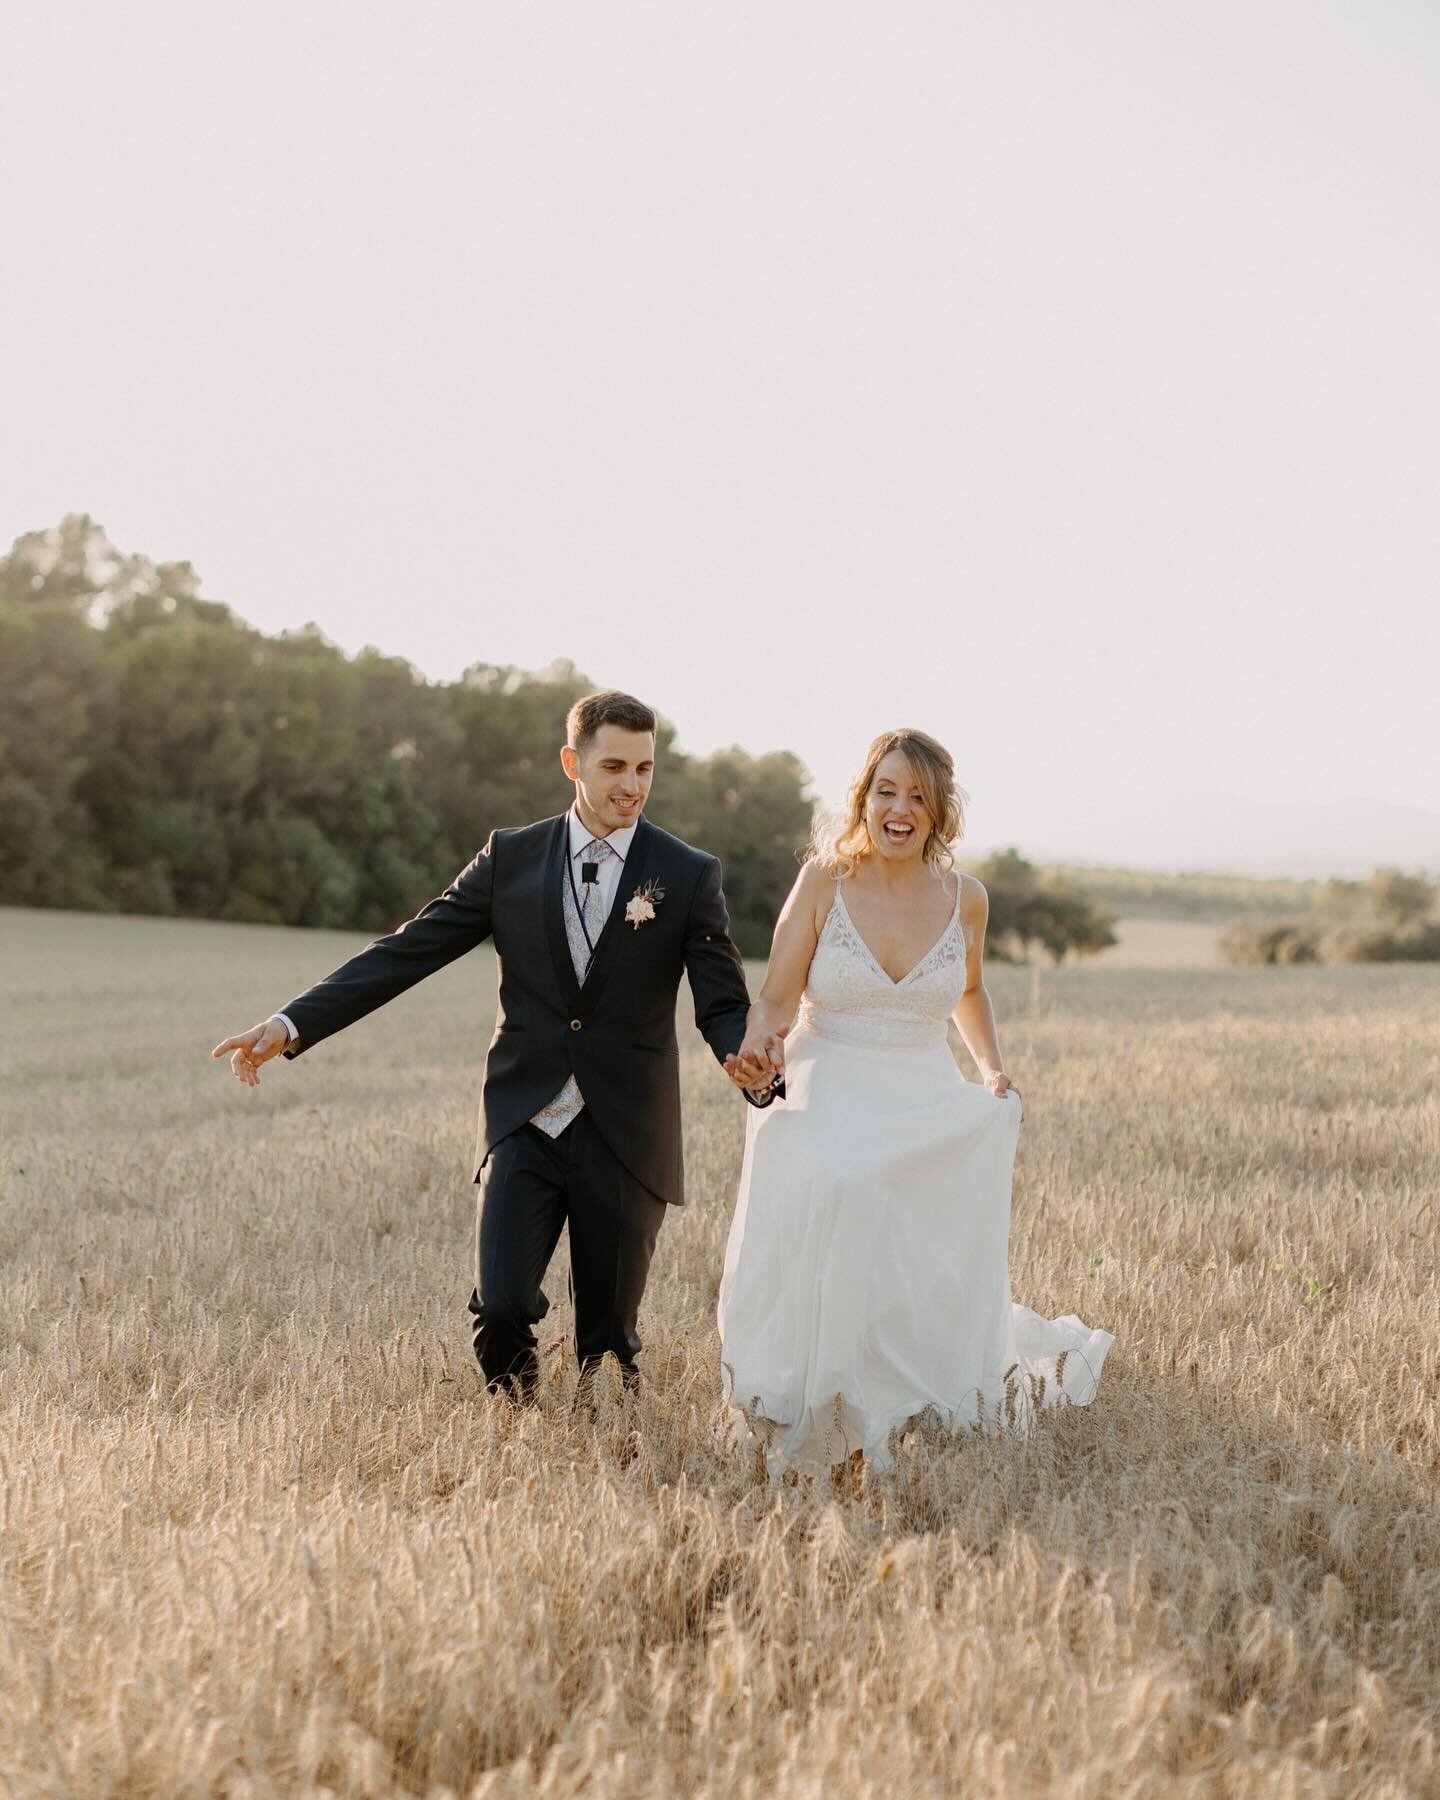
(840, 841)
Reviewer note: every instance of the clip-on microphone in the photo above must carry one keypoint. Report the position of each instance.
(589, 873)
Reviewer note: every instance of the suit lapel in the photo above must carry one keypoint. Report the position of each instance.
(553, 907)
(631, 876)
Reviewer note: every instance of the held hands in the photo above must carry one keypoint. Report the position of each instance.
(760, 1058)
(253, 1047)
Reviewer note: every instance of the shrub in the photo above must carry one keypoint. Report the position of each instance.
(1255, 941)
(1389, 918)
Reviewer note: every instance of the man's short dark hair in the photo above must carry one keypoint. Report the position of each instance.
(611, 707)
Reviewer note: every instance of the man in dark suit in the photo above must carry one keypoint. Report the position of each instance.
(595, 915)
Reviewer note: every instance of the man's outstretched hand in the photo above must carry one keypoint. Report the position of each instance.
(253, 1047)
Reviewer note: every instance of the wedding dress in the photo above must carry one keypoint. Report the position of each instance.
(866, 1279)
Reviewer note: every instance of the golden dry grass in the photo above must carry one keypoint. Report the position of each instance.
(261, 1532)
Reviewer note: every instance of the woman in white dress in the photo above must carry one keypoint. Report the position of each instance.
(866, 1277)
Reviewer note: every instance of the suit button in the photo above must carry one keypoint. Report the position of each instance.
(574, 1024)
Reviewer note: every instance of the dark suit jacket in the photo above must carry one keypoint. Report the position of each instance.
(616, 1033)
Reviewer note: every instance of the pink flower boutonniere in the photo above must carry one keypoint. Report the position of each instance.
(642, 904)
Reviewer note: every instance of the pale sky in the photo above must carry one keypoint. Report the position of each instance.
(1063, 379)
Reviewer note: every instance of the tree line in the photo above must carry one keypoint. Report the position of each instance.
(160, 755)
(1389, 917)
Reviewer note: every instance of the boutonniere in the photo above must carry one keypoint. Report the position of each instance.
(642, 903)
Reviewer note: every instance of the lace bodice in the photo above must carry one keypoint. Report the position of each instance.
(849, 996)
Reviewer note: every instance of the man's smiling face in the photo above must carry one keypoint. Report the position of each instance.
(612, 775)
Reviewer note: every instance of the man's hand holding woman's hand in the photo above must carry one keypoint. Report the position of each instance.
(760, 1058)
(253, 1047)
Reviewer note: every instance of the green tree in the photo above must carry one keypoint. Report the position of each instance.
(55, 726)
(1030, 907)
(754, 814)
(158, 754)
(1400, 899)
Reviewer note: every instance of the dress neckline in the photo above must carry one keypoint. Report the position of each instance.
(875, 962)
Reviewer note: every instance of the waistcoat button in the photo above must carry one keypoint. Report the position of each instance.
(574, 1024)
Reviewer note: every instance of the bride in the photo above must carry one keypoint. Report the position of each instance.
(866, 1277)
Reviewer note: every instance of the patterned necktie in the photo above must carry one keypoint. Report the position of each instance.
(583, 929)
(567, 1104)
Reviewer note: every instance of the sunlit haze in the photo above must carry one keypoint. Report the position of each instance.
(1062, 380)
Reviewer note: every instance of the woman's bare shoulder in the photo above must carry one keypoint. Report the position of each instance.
(974, 898)
(814, 889)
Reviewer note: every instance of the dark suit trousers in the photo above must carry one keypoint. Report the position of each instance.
(533, 1184)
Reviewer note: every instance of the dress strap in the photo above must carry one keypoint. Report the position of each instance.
(831, 909)
(955, 919)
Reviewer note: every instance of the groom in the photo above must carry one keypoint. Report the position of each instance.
(595, 915)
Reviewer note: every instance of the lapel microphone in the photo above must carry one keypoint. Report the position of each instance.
(589, 873)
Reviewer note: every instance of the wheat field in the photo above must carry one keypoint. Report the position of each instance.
(261, 1531)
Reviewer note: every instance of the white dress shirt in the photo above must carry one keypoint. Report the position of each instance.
(611, 869)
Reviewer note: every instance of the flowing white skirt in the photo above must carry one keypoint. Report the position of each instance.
(866, 1278)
